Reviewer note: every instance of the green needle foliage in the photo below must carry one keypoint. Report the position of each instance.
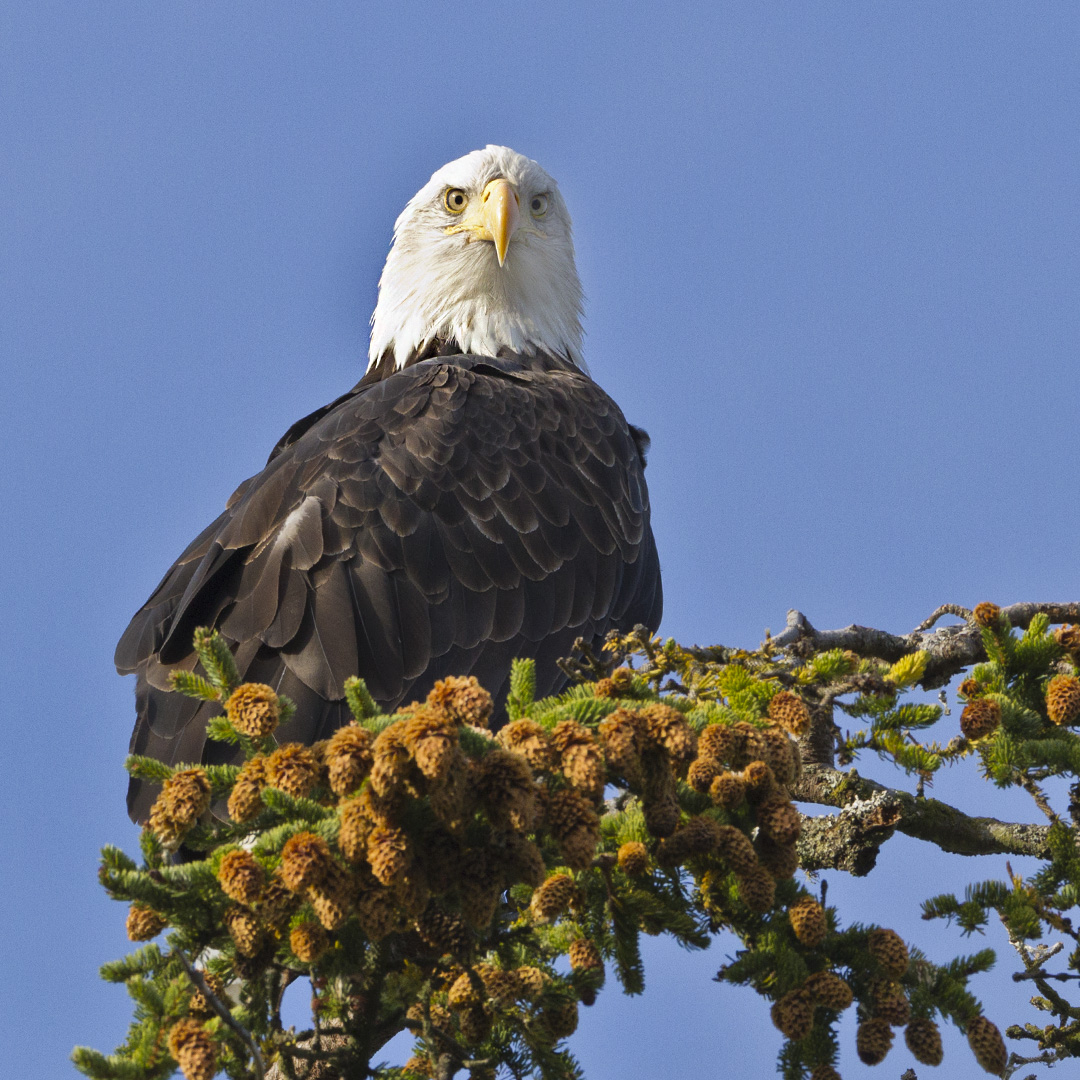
(429, 874)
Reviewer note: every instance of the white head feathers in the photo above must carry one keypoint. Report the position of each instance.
(443, 280)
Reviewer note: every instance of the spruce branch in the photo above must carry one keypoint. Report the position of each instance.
(386, 878)
(217, 660)
(361, 704)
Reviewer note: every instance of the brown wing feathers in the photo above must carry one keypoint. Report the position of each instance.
(441, 521)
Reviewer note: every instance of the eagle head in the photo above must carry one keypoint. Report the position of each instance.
(482, 257)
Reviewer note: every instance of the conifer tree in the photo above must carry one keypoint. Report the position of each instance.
(428, 873)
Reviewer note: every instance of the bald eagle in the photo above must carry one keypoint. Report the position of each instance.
(474, 498)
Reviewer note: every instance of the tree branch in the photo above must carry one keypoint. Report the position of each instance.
(871, 813)
(951, 648)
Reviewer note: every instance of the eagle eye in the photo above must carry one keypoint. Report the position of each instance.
(455, 200)
(538, 205)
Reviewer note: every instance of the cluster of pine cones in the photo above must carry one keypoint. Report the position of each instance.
(435, 818)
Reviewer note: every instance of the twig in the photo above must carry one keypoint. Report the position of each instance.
(196, 976)
(1059, 976)
(1038, 795)
(945, 609)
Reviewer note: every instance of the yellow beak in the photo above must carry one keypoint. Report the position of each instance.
(499, 215)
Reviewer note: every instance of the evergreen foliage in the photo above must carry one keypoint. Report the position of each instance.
(429, 874)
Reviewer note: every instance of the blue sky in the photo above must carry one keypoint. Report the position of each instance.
(830, 255)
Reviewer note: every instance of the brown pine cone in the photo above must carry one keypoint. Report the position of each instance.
(199, 1006)
(389, 852)
(1068, 637)
(552, 898)
(378, 914)
(186, 796)
(673, 850)
(793, 1014)
(143, 923)
(309, 941)
(332, 898)
(253, 710)
(523, 861)
(987, 1045)
(305, 861)
(666, 728)
(585, 956)
(728, 791)
(245, 800)
(702, 772)
(245, 930)
(722, 743)
(475, 1024)
(605, 688)
(502, 987)
(356, 828)
(567, 733)
(443, 931)
(504, 786)
(462, 700)
(241, 876)
(890, 1002)
(164, 826)
(781, 755)
(969, 689)
(294, 769)
(277, 904)
(531, 741)
(987, 615)
(734, 847)
(781, 860)
(532, 982)
(561, 1020)
(790, 712)
(807, 918)
(582, 761)
(452, 798)
(192, 1048)
(924, 1041)
(758, 781)
(574, 823)
(661, 812)
(391, 764)
(349, 757)
(980, 718)
(1063, 700)
(757, 890)
(431, 737)
(634, 858)
(779, 819)
(659, 802)
(622, 734)
(464, 992)
(888, 949)
(827, 989)
(873, 1040)
(479, 886)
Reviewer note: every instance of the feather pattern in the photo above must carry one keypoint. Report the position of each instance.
(425, 525)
